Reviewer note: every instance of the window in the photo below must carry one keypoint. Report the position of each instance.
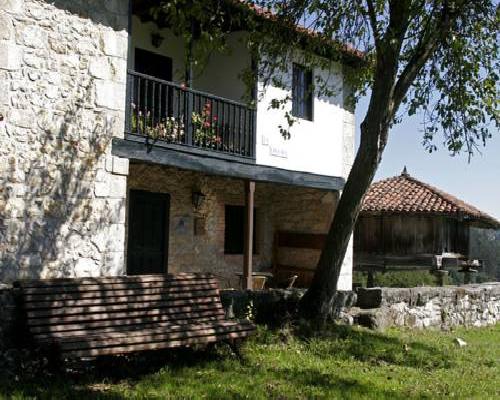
(302, 94)
(234, 230)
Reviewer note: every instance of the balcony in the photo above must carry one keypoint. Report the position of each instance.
(172, 115)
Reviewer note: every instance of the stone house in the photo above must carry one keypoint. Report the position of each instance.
(111, 165)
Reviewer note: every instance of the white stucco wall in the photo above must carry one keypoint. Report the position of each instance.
(314, 146)
(221, 75)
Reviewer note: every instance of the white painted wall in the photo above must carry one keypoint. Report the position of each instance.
(314, 146)
(221, 75)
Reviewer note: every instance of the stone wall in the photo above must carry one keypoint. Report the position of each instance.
(62, 97)
(278, 207)
(423, 307)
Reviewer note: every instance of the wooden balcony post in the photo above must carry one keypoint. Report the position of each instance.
(248, 248)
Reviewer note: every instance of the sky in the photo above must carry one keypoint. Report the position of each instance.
(477, 182)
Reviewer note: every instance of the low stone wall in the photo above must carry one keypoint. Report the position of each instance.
(423, 307)
(275, 306)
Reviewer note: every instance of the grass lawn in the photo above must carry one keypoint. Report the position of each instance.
(348, 364)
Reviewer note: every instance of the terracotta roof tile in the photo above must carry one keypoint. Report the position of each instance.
(407, 195)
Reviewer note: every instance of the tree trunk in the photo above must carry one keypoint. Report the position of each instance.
(317, 302)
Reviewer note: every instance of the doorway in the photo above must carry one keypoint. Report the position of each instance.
(147, 247)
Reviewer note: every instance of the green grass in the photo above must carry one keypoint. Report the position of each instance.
(348, 364)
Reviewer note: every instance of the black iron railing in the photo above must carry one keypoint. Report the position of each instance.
(172, 113)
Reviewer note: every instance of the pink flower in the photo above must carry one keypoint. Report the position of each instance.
(215, 118)
(206, 124)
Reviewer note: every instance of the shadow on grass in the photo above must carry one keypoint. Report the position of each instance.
(347, 343)
(109, 378)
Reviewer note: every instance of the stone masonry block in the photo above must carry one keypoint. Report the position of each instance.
(114, 44)
(20, 118)
(118, 186)
(12, 6)
(100, 68)
(6, 27)
(114, 264)
(110, 95)
(101, 189)
(10, 56)
(4, 92)
(120, 166)
(86, 267)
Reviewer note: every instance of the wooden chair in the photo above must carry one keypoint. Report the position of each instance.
(88, 317)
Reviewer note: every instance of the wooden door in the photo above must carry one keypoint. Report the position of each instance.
(147, 250)
(149, 63)
(151, 96)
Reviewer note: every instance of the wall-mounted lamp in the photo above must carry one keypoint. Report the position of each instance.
(156, 39)
(197, 198)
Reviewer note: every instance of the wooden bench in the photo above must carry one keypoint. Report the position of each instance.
(285, 272)
(88, 317)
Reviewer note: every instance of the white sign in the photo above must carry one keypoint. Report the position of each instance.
(278, 152)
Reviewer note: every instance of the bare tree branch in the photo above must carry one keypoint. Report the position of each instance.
(373, 22)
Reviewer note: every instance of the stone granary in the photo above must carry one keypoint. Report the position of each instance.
(407, 224)
(117, 156)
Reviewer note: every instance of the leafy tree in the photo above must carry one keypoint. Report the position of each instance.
(435, 57)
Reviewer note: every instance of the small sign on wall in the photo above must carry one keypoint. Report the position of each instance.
(200, 226)
(278, 152)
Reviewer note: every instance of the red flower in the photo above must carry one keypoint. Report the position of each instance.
(206, 124)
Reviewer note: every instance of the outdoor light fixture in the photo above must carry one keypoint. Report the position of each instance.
(198, 198)
(156, 39)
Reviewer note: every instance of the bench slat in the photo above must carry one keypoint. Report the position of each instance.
(114, 286)
(105, 300)
(197, 308)
(61, 324)
(156, 345)
(90, 294)
(182, 276)
(112, 326)
(128, 332)
(149, 338)
(49, 312)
